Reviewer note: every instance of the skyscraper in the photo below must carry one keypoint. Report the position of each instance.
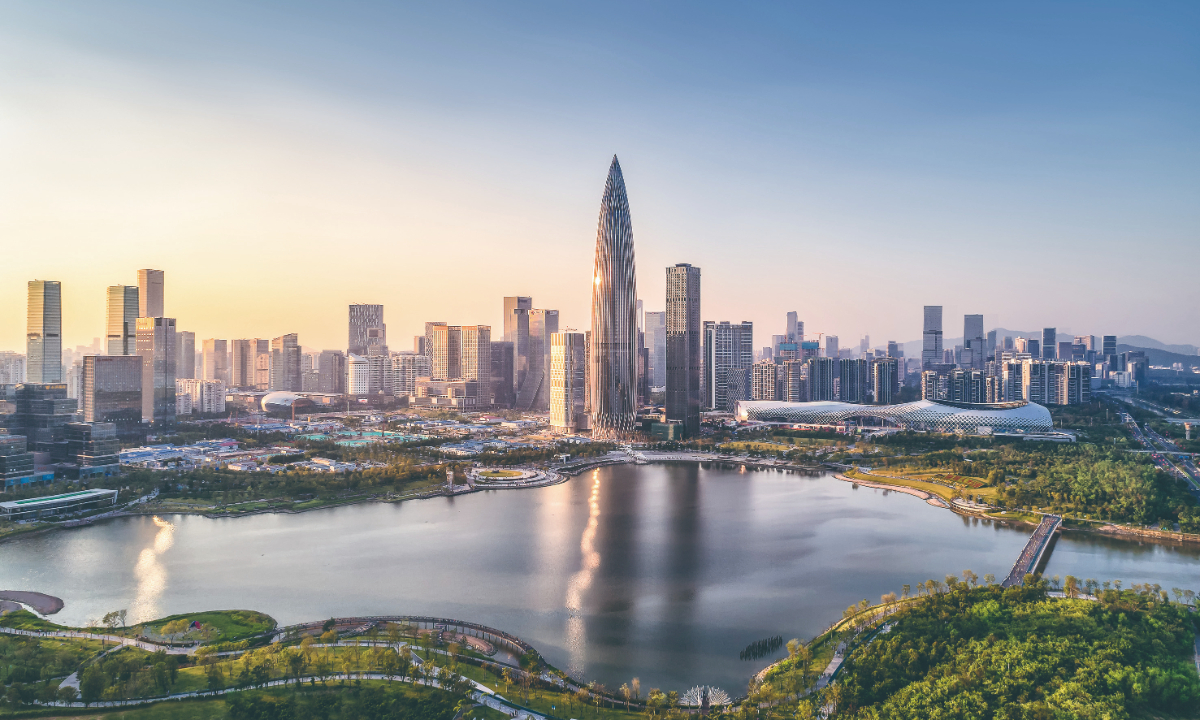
(567, 377)
(185, 363)
(150, 293)
(613, 359)
(121, 321)
(331, 372)
(516, 331)
(794, 328)
(285, 363)
(727, 348)
(684, 358)
(43, 332)
(831, 346)
(112, 390)
(534, 393)
(931, 336)
(973, 340)
(503, 368)
(1049, 343)
(367, 330)
(445, 351)
(216, 360)
(156, 345)
(656, 343)
(475, 359)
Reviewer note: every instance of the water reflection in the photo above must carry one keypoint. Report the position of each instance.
(150, 574)
(579, 583)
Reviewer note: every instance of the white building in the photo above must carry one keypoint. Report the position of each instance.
(206, 396)
(568, 368)
(406, 368)
(358, 375)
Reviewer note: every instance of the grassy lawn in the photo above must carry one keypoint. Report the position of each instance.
(500, 473)
(944, 493)
(25, 620)
(554, 703)
(743, 446)
(231, 625)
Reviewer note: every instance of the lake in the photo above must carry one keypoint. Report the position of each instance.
(662, 571)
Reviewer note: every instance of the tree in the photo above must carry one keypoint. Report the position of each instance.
(636, 686)
(989, 579)
(67, 694)
(92, 684)
(625, 693)
(970, 577)
(905, 590)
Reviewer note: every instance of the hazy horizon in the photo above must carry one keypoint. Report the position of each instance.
(1034, 164)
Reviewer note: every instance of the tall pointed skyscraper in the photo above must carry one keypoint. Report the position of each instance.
(613, 374)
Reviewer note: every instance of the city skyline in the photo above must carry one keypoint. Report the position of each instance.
(139, 149)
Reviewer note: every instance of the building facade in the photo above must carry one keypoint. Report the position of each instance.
(43, 333)
(151, 284)
(684, 395)
(367, 330)
(656, 343)
(285, 363)
(613, 362)
(185, 364)
(931, 336)
(568, 374)
(156, 345)
(112, 391)
(728, 347)
(121, 320)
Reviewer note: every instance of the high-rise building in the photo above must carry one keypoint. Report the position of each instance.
(503, 369)
(765, 381)
(854, 380)
(262, 364)
(794, 328)
(43, 335)
(121, 321)
(567, 376)
(112, 391)
(16, 461)
(285, 363)
(613, 362)
(12, 368)
(728, 348)
(208, 396)
(241, 364)
(406, 368)
(656, 343)
(367, 330)
(885, 380)
(831, 346)
(445, 351)
(475, 359)
(974, 342)
(93, 448)
(894, 350)
(150, 293)
(331, 372)
(684, 358)
(216, 361)
(516, 331)
(185, 364)
(156, 345)
(1110, 345)
(931, 336)
(821, 374)
(534, 393)
(358, 375)
(1049, 343)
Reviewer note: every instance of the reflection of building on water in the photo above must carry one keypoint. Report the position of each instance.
(579, 583)
(150, 573)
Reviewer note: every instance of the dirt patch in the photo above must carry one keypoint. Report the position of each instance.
(44, 604)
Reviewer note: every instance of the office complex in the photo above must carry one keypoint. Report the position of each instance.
(368, 334)
(516, 331)
(93, 448)
(568, 374)
(728, 349)
(41, 415)
(406, 368)
(216, 361)
(794, 328)
(43, 334)
(331, 372)
(931, 336)
(1049, 343)
(156, 345)
(112, 391)
(656, 344)
(613, 361)
(121, 320)
(1110, 346)
(974, 342)
(534, 391)
(185, 345)
(503, 374)
(150, 293)
(684, 395)
(475, 359)
(285, 363)
(831, 346)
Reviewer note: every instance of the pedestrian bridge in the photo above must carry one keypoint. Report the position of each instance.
(1034, 550)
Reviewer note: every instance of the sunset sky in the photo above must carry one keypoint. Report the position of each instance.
(1037, 163)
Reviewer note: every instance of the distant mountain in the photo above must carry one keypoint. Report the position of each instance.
(1162, 357)
(1141, 341)
(912, 348)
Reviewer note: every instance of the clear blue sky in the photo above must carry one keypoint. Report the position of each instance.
(1038, 163)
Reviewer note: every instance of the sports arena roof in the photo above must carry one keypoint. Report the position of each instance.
(982, 419)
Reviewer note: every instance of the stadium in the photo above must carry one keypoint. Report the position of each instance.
(922, 415)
